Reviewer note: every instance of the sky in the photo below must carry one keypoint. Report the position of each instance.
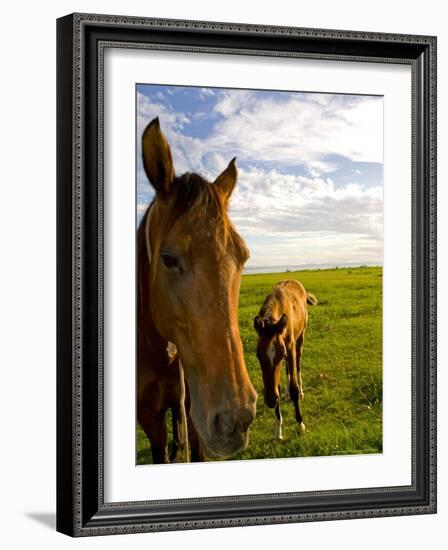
(310, 167)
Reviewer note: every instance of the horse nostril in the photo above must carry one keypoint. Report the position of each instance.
(229, 423)
(270, 401)
(225, 423)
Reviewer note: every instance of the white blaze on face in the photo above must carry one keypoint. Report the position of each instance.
(271, 353)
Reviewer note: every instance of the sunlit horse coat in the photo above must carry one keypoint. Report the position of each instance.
(190, 261)
(281, 324)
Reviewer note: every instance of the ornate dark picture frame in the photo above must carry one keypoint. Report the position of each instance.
(81, 509)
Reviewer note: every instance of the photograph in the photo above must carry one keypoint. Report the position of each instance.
(246, 273)
(259, 274)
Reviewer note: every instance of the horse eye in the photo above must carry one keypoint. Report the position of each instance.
(170, 261)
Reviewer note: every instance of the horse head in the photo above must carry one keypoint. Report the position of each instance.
(271, 351)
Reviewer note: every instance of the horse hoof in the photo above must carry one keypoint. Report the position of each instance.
(301, 395)
(279, 439)
(301, 428)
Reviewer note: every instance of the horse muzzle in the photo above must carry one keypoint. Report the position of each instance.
(228, 431)
(270, 399)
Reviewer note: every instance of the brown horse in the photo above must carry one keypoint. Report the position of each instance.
(281, 325)
(190, 260)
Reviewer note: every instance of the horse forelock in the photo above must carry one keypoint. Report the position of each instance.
(192, 192)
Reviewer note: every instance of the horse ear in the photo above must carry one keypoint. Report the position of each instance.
(258, 324)
(226, 180)
(282, 323)
(157, 158)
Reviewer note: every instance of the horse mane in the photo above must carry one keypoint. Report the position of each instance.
(142, 265)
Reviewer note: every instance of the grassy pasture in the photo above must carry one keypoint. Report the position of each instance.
(341, 369)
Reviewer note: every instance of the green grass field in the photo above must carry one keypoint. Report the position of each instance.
(341, 369)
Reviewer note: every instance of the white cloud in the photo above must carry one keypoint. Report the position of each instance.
(231, 102)
(290, 211)
(286, 219)
(292, 220)
(314, 249)
(187, 151)
(204, 93)
(300, 129)
(304, 130)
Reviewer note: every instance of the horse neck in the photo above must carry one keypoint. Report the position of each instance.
(149, 337)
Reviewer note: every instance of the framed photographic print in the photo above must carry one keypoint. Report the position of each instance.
(246, 274)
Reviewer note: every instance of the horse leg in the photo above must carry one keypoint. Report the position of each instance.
(279, 422)
(294, 391)
(299, 348)
(287, 375)
(183, 414)
(196, 449)
(154, 426)
(179, 437)
(176, 442)
(197, 453)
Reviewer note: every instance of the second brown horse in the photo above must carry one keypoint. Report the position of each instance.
(281, 325)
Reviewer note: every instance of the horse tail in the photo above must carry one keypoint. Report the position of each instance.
(311, 299)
